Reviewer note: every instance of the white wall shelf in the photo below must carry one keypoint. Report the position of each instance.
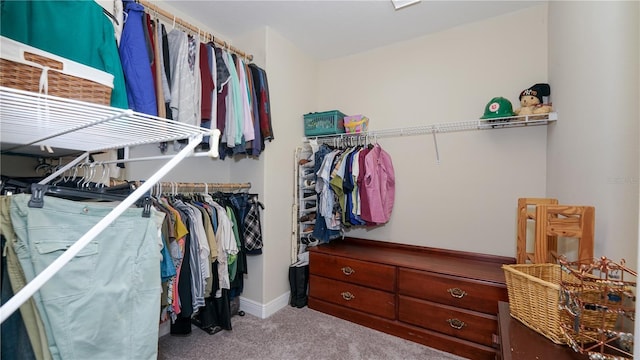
(31, 121)
(35, 122)
(468, 125)
(433, 129)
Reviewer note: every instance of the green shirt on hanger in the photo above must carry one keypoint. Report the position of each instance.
(76, 30)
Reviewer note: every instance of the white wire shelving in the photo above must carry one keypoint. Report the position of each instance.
(468, 125)
(433, 129)
(36, 122)
(31, 121)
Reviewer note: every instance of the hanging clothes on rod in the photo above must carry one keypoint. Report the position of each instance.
(207, 82)
(205, 244)
(141, 92)
(355, 186)
(209, 236)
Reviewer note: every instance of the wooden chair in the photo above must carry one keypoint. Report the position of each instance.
(524, 215)
(567, 221)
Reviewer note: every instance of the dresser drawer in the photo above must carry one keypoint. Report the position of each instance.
(463, 324)
(364, 273)
(360, 298)
(450, 290)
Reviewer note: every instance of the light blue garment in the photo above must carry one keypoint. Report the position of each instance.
(104, 303)
(167, 267)
(236, 102)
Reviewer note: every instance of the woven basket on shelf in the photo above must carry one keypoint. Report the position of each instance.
(22, 67)
(534, 299)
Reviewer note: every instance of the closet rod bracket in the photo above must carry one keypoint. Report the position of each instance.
(435, 143)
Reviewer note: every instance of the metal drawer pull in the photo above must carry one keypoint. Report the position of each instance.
(456, 324)
(457, 293)
(348, 296)
(347, 270)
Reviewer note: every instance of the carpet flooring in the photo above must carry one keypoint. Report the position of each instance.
(293, 333)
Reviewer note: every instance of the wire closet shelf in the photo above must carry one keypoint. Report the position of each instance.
(467, 125)
(433, 129)
(29, 119)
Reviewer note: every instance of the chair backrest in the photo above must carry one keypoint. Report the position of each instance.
(569, 221)
(523, 216)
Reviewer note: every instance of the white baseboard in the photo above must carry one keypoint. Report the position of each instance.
(263, 311)
(165, 328)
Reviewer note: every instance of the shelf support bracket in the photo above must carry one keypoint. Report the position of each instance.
(435, 143)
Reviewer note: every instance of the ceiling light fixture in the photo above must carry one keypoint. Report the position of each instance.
(399, 4)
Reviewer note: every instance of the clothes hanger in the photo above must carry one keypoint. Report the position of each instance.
(63, 177)
(89, 177)
(174, 190)
(110, 16)
(106, 172)
(38, 191)
(82, 190)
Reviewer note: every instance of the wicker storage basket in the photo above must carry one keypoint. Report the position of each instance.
(534, 299)
(26, 68)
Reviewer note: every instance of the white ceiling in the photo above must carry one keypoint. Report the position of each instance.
(327, 29)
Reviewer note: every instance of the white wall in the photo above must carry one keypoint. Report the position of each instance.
(194, 169)
(249, 169)
(468, 202)
(292, 76)
(592, 156)
(18, 166)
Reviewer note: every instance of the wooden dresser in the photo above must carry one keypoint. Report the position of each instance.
(518, 342)
(444, 299)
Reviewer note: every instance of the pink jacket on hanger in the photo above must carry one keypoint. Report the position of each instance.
(379, 186)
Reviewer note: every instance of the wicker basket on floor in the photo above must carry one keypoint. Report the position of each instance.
(26, 68)
(534, 299)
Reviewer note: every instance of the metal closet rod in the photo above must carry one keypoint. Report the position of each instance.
(193, 186)
(348, 138)
(212, 153)
(169, 16)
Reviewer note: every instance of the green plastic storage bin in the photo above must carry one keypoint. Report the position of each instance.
(324, 123)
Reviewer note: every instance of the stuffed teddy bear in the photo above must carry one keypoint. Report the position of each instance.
(531, 100)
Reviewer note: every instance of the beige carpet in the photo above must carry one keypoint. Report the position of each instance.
(293, 333)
